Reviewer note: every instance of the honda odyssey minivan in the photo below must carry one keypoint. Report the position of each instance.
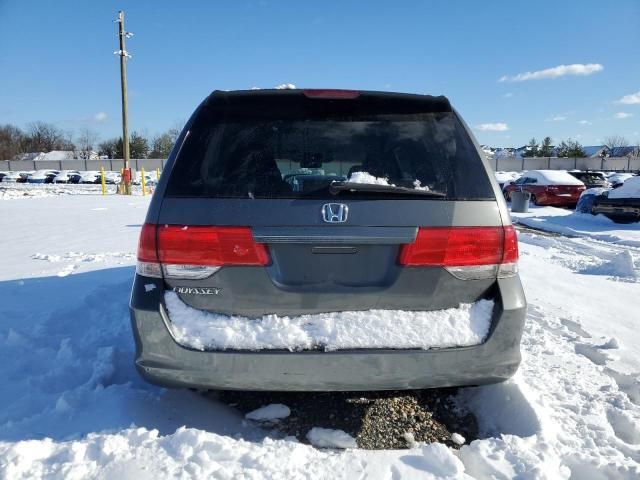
(296, 205)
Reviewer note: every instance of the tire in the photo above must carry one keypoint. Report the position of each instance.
(534, 200)
(507, 195)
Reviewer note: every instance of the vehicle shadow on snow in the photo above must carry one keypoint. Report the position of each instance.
(68, 366)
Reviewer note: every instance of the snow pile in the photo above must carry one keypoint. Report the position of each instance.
(285, 86)
(274, 411)
(463, 326)
(364, 177)
(417, 184)
(328, 438)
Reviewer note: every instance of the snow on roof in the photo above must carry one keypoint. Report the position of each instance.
(57, 155)
(629, 189)
(554, 177)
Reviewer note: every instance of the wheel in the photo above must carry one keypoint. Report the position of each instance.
(534, 200)
(507, 196)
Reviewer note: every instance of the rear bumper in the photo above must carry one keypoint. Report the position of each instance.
(558, 200)
(161, 360)
(621, 210)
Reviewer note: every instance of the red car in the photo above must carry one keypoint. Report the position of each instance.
(548, 187)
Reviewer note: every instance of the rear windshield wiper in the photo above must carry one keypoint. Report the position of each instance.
(337, 187)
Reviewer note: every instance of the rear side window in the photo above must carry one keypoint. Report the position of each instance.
(300, 158)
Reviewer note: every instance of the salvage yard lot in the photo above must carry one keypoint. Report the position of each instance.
(73, 406)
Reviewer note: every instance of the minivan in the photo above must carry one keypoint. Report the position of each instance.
(326, 240)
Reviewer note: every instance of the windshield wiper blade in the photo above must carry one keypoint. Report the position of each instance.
(337, 187)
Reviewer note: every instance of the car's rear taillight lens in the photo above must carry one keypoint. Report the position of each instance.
(331, 94)
(185, 251)
(466, 252)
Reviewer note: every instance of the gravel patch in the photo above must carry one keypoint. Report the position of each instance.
(377, 420)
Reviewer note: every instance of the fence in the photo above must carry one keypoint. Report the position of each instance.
(115, 165)
(624, 164)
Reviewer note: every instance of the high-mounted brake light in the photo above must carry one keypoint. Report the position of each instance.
(184, 251)
(466, 252)
(331, 94)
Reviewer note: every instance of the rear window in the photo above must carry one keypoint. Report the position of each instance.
(301, 158)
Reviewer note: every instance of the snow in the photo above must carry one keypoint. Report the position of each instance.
(569, 222)
(553, 177)
(457, 439)
(274, 411)
(629, 189)
(364, 177)
(463, 326)
(328, 438)
(72, 405)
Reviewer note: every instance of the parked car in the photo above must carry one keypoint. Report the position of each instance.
(2, 175)
(42, 176)
(111, 178)
(416, 223)
(622, 205)
(505, 178)
(14, 177)
(591, 179)
(64, 176)
(548, 187)
(90, 176)
(149, 179)
(617, 179)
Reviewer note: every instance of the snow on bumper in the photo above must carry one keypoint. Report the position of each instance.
(160, 359)
(455, 327)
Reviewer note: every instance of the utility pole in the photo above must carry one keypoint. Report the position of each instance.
(124, 55)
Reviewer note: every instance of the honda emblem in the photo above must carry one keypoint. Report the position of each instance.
(335, 212)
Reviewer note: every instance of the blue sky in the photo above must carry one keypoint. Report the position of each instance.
(57, 65)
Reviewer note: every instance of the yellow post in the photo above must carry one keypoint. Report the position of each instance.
(144, 183)
(157, 174)
(104, 186)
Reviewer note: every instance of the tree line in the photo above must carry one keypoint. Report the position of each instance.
(614, 146)
(45, 137)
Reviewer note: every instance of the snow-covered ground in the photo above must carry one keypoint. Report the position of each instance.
(572, 223)
(72, 405)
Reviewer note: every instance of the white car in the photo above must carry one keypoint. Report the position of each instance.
(617, 179)
(90, 176)
(63, 176)
(13, 177)
(504, 178)
(42, 176)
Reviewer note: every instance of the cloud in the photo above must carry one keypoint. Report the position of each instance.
(631, 99)
(492, 127)
(285, 86)
(621, 115)
(507, 95)
(584, 122)
(100, 117)
(558, 118)
(555, 72)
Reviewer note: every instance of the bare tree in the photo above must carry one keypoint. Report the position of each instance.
(44, 137)
(11, 142)
(616, 145)
(87, 139)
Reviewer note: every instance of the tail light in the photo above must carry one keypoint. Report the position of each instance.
(331, 94)
(468, 253)
(195, 252)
